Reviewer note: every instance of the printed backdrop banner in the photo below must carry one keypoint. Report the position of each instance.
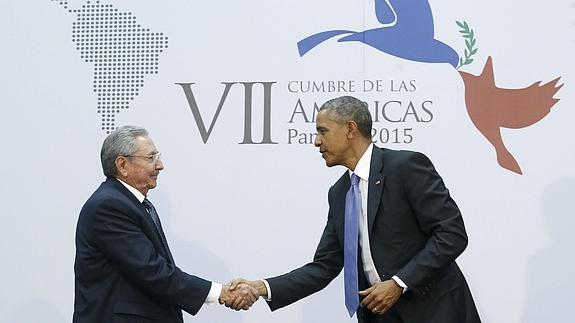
(229, 91)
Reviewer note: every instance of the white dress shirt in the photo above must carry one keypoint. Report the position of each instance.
(216, 288)
(362, 171)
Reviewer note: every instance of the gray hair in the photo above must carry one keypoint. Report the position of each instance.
(346, 108)
(121, 142)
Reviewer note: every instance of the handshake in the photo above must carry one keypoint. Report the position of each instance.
(241, 294)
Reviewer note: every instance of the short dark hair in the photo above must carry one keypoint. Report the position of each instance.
(121, 142)
(346, 108)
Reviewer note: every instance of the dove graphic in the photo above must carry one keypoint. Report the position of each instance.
(407, 32)
(491, 107)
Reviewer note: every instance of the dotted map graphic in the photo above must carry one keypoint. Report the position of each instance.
(121, 51)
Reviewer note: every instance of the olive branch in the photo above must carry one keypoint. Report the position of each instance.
(470, 43)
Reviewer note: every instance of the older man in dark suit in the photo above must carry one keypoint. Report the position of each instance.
(392, 226)
(124, 270)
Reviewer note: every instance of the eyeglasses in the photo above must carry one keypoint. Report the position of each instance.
(151, 159)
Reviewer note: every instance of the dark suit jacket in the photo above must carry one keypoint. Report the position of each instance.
(416, 231)
(123, 272)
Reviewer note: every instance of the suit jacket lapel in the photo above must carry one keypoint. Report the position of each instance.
(165, 244)
(159, 233)
(143, 211)
(375, 186)
(145, 215)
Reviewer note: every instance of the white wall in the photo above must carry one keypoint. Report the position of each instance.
(213, 197)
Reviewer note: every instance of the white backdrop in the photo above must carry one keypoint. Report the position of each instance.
(257, 210)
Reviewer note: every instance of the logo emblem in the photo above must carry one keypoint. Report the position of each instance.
(407, 32)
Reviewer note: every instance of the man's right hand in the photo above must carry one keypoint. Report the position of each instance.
(258, 285)
(241, 297)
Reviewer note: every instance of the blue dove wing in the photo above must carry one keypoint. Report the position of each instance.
(308, 43)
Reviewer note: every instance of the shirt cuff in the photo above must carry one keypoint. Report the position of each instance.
(400, 283)
(214, 294)
(268, 297)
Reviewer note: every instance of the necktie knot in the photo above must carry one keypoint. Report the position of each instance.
(354, 179)
(153, 214)
(148, 204)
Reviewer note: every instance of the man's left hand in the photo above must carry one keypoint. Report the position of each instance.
(380, 297)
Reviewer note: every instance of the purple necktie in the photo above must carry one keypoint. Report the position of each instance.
(351, 235)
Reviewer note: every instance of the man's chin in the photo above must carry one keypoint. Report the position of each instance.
(329, 164)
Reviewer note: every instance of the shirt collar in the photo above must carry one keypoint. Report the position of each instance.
(133, 190)
(363, 165)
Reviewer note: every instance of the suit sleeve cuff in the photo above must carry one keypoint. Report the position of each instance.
(268, 297)
(214, 294)
(400, 283)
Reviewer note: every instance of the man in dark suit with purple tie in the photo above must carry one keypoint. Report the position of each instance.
(407, 231)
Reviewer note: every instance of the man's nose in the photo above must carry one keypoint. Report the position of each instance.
(317, 141)
(159, 165)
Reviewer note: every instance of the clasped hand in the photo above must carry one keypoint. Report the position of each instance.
(241, 297)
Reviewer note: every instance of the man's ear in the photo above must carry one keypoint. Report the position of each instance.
(351, 129)
(121, 166)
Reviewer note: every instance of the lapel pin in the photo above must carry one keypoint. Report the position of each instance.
(378, 182)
